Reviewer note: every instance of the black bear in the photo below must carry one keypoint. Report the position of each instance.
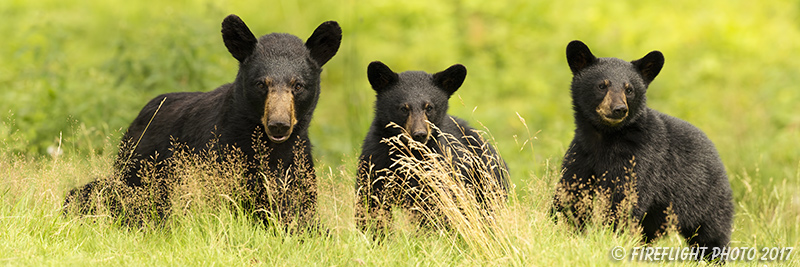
(633, 154)
(266, 110)
(411, 108)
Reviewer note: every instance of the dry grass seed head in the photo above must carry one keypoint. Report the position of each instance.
(459, 189)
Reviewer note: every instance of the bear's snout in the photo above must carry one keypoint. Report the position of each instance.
(619, 111)
(420, 136)
(279, 128)
(614, 107)
(417, 127)
(279, 118)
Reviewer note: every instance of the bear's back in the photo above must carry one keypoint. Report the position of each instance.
(689, 150)
(186, 117)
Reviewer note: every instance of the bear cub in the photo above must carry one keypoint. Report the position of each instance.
(621, 146)
(412, 107)
(263, 116)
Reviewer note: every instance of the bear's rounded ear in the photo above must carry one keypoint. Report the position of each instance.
(579, 56)
(239, 40)
(649, 66)
(324, 42)
(451, 78)
(380, 76)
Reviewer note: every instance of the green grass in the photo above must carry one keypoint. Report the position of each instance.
(75, 75)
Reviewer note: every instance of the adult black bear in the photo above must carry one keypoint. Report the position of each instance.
(266, 110)
(411, 107)
(621, 146)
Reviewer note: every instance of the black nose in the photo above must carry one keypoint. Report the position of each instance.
(419, 136)
(619, 111)
(278, 128)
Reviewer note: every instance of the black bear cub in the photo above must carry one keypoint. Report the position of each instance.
(621, 147)
(412, 107)
(264, 114)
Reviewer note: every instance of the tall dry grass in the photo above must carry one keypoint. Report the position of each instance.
(462, 189)
(212, 179)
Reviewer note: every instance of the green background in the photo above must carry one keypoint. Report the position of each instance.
(76, 73)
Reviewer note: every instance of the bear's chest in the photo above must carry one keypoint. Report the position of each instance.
(611, 158)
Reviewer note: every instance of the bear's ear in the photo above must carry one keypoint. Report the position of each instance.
(579, 56)
(239, 40)
(649, 66)
(380, 76)
(324, 42)
(451, 78)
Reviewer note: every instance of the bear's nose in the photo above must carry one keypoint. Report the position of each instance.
(419, 136)
(278, 127)
(619, 111)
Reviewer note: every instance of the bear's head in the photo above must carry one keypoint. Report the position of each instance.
(610, 92)
(413, 99)
(278, 79)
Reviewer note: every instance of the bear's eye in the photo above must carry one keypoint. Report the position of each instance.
(428, 108)
(628, 90)
(404, 108)
(298, 87)
(602, 86)
(261, 84)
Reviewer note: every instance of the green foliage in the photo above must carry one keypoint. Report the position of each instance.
(74, 74)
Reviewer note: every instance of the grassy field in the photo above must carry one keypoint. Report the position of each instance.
(74, 74)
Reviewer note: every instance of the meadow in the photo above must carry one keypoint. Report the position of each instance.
(74, 74)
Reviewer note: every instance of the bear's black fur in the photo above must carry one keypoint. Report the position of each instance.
(416, 103)
(269, 105)
(621, 145)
